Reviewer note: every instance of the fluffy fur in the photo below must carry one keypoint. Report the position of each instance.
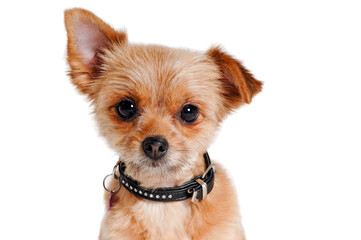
(105, 67)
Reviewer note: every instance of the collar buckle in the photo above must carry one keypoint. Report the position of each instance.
(204, 191)
(204, 188)
(208, 169)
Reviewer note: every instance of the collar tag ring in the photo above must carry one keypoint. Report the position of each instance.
(108, 190)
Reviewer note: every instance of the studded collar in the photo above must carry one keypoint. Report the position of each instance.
(198, 188)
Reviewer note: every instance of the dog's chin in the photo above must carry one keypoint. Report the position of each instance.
(155, 167)
(159, 163)
(164, 172)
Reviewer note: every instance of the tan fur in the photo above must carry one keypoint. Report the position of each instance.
(160, 80)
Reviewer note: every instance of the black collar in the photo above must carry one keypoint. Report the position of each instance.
(198, 188)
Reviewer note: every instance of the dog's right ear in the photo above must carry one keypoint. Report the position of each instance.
(88, 36)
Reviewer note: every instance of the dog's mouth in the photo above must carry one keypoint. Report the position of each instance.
(157, 163)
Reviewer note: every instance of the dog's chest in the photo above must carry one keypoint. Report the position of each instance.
(163, 220)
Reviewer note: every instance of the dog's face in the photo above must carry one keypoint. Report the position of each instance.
(157, 107)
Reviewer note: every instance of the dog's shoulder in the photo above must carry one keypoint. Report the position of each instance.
(218, 216)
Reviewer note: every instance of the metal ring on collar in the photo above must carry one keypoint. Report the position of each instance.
(106, 189)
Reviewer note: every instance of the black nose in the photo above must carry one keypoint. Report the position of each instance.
(155, 147)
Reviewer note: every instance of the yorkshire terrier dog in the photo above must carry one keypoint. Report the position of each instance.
(159, 109)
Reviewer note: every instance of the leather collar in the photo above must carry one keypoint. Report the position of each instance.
(198, 188)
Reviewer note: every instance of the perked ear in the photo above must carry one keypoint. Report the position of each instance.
(239, 85)
(88, 36)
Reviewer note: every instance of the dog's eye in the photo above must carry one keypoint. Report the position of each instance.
(189, 113)
(126, 109)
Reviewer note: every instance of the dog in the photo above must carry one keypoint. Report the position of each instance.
(159, 109)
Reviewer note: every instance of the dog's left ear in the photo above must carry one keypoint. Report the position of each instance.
(239, 85)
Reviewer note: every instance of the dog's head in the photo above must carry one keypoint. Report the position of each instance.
(158, 107)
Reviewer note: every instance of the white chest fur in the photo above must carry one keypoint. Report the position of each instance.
(155, 220)
(163, 220)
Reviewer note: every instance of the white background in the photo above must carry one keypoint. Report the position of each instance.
(294, 153)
